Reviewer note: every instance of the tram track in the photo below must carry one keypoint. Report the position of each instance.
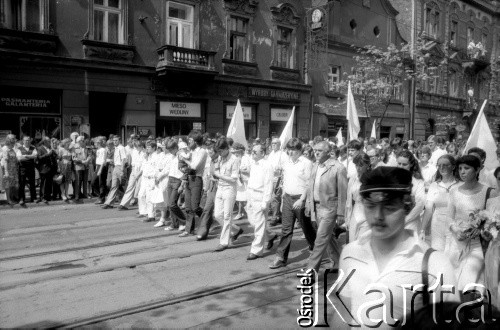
(89, 321)
(48, 275)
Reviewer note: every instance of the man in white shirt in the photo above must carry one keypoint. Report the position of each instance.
(194, 186)
(101, 171)
(119, 161)
(136, 158)
(436, 144)
(486, 177)
(259, 194)
(277, 158)
(393, 258)
(296, 175)
(174, 187)
(353, 149)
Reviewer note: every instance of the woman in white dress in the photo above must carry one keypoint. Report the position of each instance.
(406, 160)
(428, 170)
(355, 212)
(466, 254)
(436, 205)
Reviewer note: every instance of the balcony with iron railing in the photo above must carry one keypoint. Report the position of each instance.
(173, 58)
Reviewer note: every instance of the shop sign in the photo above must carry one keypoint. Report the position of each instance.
(247, 112)
(273, 93)
(197, 126)
(400, 129)
(30, 100)
(180, 109)
(280, 114)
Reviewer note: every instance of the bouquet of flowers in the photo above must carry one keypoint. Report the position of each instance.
(482, 224)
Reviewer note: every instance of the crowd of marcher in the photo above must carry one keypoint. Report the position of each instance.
(184, 183)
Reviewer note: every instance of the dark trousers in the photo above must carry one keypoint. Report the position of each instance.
(46, 184)
(27, 175)
(289, 215)
(276, 202)
(81, 178)
(176, 213)
(99, 181)
(207, 217)
(192, 197)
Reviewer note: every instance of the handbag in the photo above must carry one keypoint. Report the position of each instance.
(157, 196)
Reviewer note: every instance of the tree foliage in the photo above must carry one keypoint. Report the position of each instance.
(380, 76)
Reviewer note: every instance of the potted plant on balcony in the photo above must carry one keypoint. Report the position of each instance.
(476, 50)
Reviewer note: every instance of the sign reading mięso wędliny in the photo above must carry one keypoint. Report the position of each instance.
(382, 307)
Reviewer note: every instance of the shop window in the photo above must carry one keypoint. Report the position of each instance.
(453, 33)
(284, 48)
(333, 78)
(238, 39)
(432, 20)
(25, 15)
(108, 21)
(432, 82)
(180, 24)
(385, 131)
(358, 81)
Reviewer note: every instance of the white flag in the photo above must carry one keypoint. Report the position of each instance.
(481, 137)
(287, 133)
(236, 129)
(353, 127)
(340, 139)
(374, 132)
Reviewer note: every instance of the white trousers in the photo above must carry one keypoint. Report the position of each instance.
(257, 217)
(144, 198)
(223, 211)
(133, 182)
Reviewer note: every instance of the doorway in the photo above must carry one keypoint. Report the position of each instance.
(105, 113)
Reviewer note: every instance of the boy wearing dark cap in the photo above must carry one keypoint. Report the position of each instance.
(389, 257)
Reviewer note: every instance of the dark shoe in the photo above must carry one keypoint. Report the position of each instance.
(107, 206)
(278, 263)
(22, 203)
(148, 220)
(235, 236)
(78, 201)
(140, 216)
(99, 202)
(122, 208)
(185, 234)
(270, 242)
(200, 238)
(252, 256)
(220, 248)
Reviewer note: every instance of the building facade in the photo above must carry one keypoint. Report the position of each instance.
(348, 25)
(463, 39)
(151, 67)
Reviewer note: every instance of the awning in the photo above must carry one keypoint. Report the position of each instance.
(332, 107)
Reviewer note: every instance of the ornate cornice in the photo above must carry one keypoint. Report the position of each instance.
(284, 13)
(244, 7)
(108, 52)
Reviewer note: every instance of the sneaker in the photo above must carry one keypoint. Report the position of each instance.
(160, 223)
(170, 228)
(182, 227)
